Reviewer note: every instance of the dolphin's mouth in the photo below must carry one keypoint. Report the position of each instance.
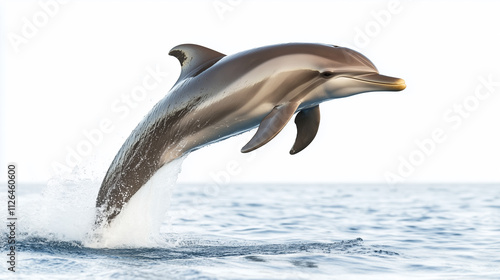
(385, 82)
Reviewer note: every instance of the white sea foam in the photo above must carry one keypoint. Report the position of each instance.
(139, 222)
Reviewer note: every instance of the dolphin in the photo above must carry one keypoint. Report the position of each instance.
(219, 96)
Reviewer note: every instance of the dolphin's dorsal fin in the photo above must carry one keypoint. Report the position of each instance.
(271, 125)
(194, 59)
(307, 122)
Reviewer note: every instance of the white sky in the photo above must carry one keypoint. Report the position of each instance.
(71, 70)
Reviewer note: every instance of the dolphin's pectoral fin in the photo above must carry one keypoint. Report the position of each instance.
(194, 59)
(271, 125)
(307, 122)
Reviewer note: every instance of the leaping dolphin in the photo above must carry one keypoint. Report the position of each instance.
(219, 96)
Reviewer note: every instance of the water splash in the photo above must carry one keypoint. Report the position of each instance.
(64, 211)
(139, 222)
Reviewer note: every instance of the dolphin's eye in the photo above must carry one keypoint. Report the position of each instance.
(327, 74)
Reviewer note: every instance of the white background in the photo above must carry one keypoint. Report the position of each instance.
(70, 72)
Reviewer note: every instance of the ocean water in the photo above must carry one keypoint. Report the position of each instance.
(262, 231)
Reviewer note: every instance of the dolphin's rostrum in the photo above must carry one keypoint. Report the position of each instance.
(219, 96)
